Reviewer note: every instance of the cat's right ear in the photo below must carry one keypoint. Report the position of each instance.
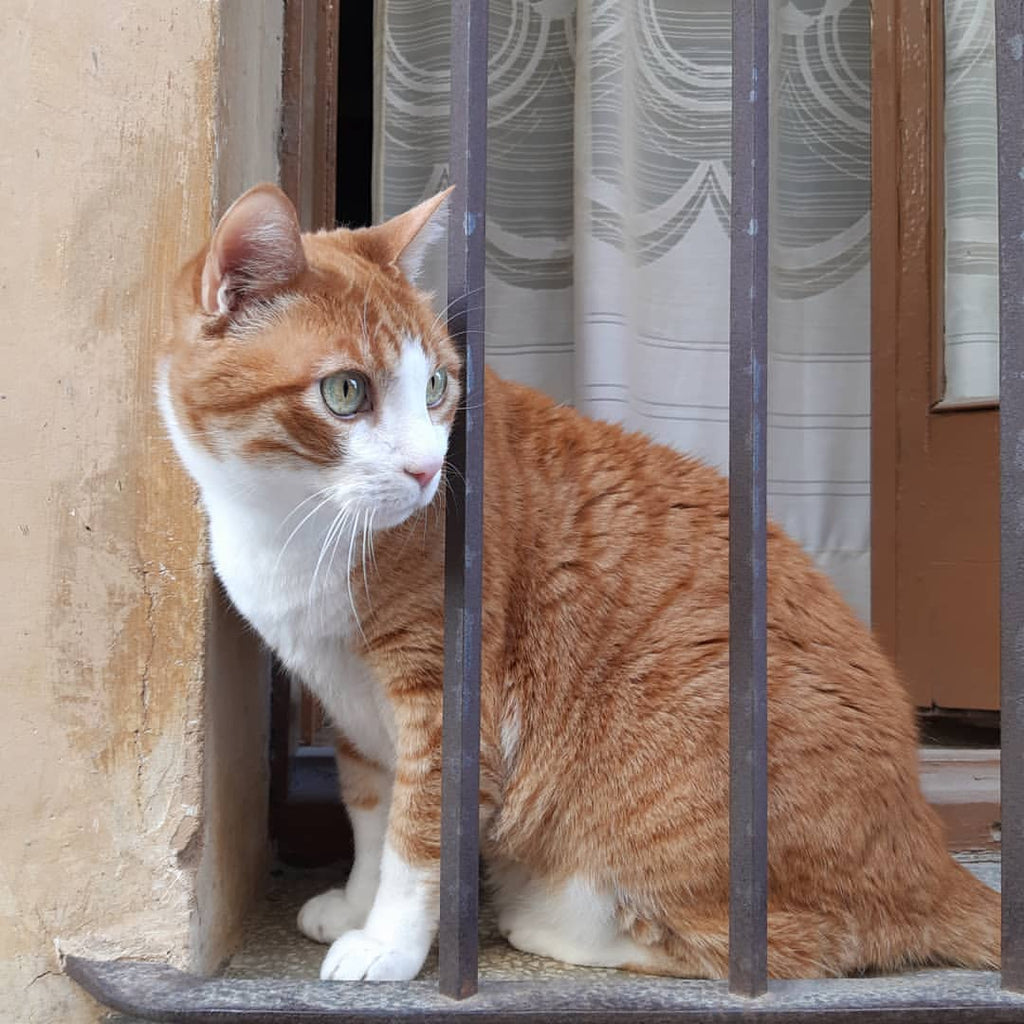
(257, 247)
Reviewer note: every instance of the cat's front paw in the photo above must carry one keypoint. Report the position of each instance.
(330, 915)
(357, 956)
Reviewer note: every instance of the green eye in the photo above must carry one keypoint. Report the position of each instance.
(437, 386)
(344, 393)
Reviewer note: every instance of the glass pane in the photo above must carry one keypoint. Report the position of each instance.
(972, 270)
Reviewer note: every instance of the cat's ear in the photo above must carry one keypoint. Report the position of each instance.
(257, 247)
(405, 239)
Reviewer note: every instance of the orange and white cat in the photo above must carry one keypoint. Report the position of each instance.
(309, 388)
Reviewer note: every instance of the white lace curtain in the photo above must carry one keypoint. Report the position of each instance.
(607, 230)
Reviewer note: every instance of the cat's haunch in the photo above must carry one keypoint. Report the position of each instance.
(309, 389)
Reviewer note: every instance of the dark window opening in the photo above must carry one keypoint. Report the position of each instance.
(353, 201)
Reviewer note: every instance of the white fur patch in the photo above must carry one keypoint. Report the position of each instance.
(509, 738)
(330, 915)
(399, 931)
(573, 921)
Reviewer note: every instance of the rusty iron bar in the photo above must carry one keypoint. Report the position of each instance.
(460, 839)
(748, 413)
(1010, 88)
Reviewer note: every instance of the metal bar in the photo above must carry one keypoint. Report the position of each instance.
(1010, 88)
(460, 839)
(748, 354)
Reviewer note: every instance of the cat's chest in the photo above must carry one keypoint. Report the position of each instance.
(309, 622)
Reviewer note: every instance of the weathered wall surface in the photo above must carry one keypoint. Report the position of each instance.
(107, 179)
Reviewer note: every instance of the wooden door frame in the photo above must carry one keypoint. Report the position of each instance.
(903, 246)
(907, 325)
(309, 109)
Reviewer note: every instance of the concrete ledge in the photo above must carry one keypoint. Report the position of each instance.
(161, 993)
(963, 787)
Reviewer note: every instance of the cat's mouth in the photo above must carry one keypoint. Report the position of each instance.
(395, 510)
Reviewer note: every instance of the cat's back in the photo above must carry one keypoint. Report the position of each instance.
(551, 461)
(625, 543)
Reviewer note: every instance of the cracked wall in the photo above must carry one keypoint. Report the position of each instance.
(111, 167)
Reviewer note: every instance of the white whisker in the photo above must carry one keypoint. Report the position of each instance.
(458, 298)
(366, 335)
(373, 554)
(337, 523)
(366, 585)
(305, 501)
(348, 583)
(304, 520)
(334, 551)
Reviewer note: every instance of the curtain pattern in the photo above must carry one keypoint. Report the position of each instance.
(972, 222)
(608, 221)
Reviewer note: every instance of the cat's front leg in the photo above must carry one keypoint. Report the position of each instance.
(402, 922)
(399, 930)
(366, 794)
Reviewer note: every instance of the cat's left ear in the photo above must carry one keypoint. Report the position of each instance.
(256, 248)
(405, 239)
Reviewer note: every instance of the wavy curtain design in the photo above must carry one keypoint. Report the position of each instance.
(607, 232)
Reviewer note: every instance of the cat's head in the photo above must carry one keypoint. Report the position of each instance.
(310, 364)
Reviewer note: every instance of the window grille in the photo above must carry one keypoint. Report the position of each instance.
(159, 992)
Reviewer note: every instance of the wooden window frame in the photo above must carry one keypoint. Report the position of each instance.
(919, 442)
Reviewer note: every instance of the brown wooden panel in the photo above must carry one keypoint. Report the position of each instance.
(309, 109)
(296, 62)
(963, 673)
(885, 247)
(948, 587)
(325, 156)
(935, 473)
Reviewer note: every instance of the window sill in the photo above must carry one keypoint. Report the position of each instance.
(161, 993)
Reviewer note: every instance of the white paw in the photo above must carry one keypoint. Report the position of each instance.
(329, 915)
(357, 955)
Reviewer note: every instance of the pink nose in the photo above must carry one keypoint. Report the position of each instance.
(425, 473)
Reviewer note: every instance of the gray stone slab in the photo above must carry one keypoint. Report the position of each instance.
(272, 980)
(161, 993)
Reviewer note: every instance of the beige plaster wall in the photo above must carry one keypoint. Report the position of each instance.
(108, 176)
